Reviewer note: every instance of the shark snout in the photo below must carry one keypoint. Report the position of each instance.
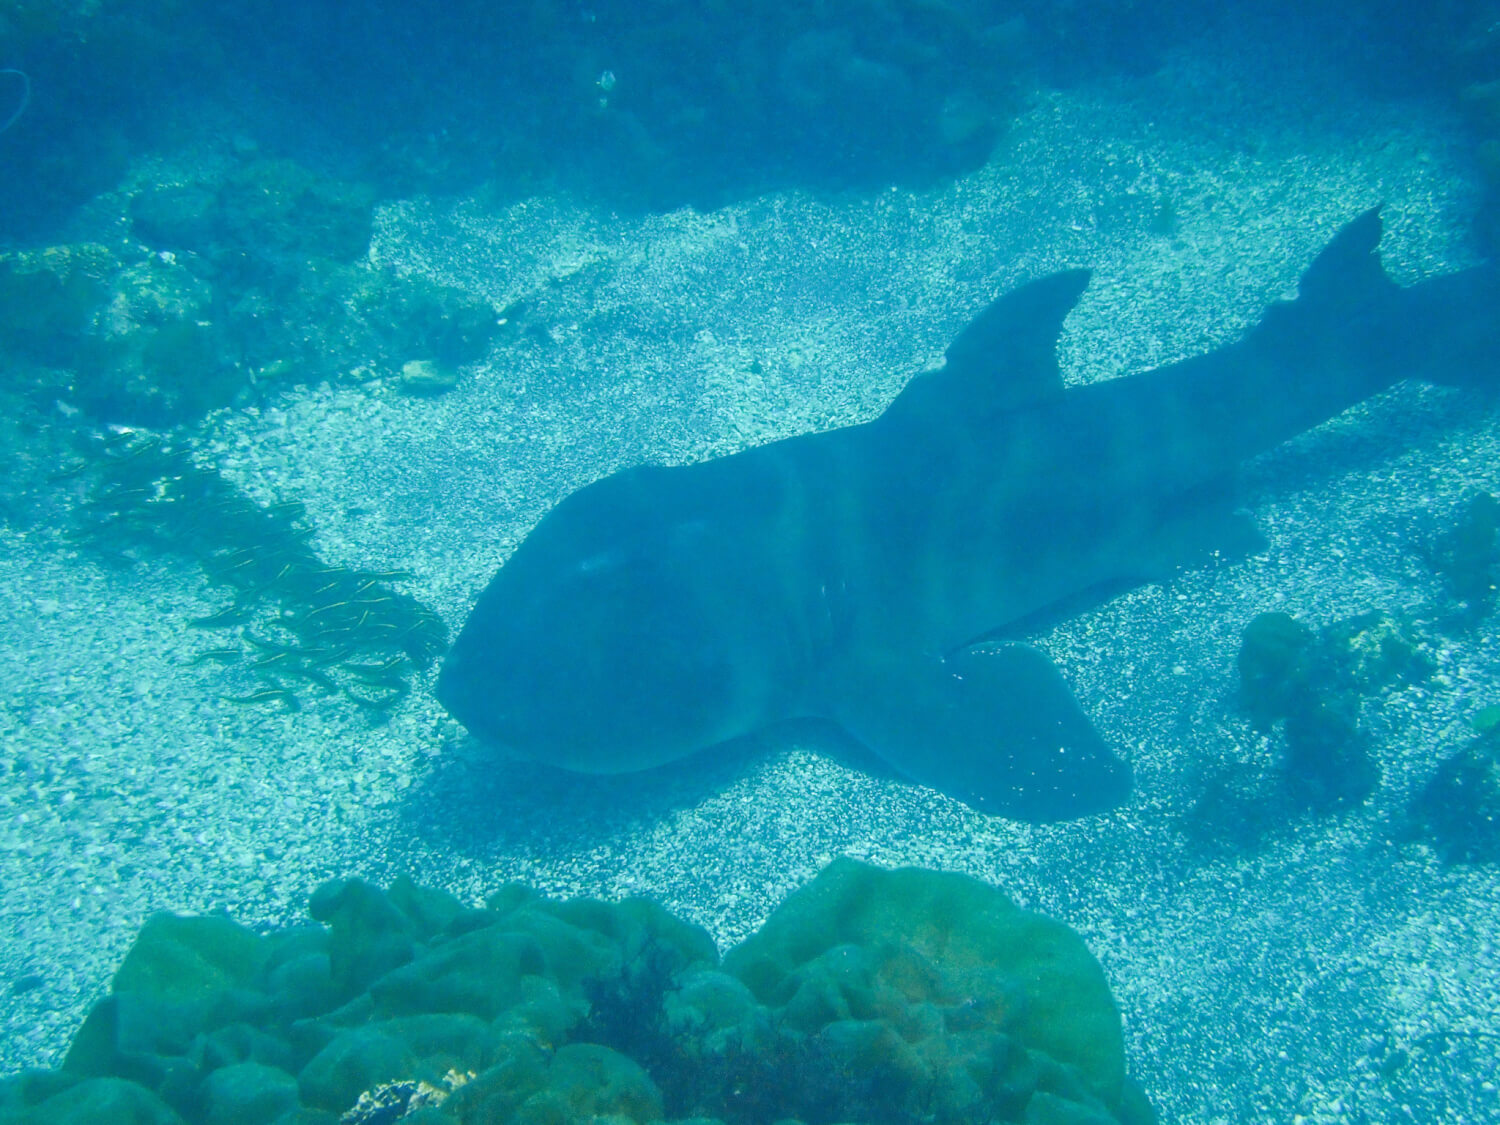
(461, 690)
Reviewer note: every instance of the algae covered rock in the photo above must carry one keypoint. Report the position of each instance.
(1458, 810)
(426, 378)
(248, 1093)
(1315, 682)
(286, 250)
(128, 336)
(48, 299)
(1467, 553)
(253, 277)
(886, 996)
(430, 1051)
(892, 997)
(943, 986)
(1275, 663)
(182, 978)
(268, 206)
(369, 933)
(102, 1101)
(155, 353)
(1373, 651)
(276, 205)
(586, 1082)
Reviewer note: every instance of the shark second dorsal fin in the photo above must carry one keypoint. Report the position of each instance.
(1006, 357)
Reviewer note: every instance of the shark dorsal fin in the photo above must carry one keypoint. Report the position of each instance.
(1348, 268)
(1006, 357)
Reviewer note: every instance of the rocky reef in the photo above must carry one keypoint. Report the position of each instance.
(245, 282)
(1307, 688)
(870, 995)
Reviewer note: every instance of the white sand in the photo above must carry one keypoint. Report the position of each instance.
(1254, 989)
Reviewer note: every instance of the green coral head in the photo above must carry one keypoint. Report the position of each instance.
(952, 941)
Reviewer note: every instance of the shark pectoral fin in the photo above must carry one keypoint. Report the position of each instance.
(995, 728)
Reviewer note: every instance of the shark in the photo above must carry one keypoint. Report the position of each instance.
(885, 576)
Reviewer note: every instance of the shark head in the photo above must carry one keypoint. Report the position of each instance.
(604, 644)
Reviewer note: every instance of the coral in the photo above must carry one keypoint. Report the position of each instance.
(1370, 652)
(49, 297)
(1273, 665)
(899, 997)
(1314, 683)
(1467, 553)
(240, 284)
(1459, 808)
(1291, 674)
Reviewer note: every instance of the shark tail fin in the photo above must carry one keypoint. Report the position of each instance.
(1348, 335)
(1458, 322)
(1442, 330)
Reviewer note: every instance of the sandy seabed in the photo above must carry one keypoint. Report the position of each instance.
(1268, 987)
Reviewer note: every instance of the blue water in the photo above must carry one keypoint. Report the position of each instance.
(662, 232)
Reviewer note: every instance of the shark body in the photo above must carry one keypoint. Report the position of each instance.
(852, 575)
